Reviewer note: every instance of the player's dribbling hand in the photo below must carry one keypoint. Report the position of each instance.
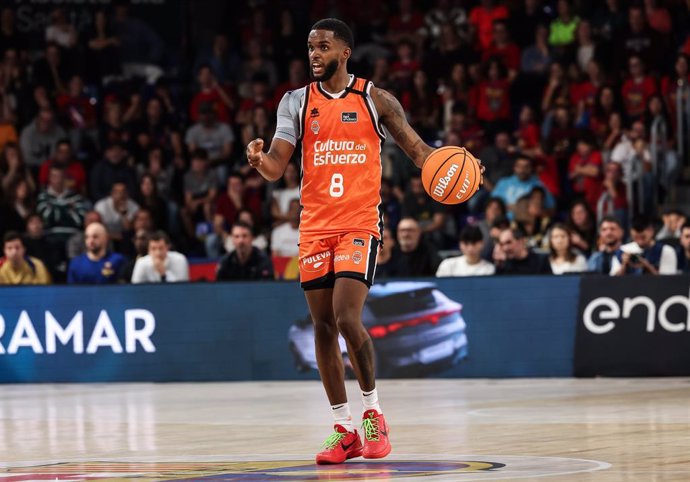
(481, 166)
(254, 149)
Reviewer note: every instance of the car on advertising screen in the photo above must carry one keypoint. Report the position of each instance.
(416, 330)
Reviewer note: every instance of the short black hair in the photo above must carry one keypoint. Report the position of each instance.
(500, 222)
(611, 219)
(339, 28)
(12, 236)
(471, 234)
(242, 224)
(160, 236)
(640, 223)
(63, 141)
(200, 153)
(686, 225)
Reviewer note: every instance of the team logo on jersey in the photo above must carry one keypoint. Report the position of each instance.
(357, 257)
(314, 112)
(348, 117)
(315, 126)
(359, 242)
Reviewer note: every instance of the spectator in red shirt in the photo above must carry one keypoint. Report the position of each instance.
(75, 176)
(78, 112)
(407, 23)
(670, 85)
(584, 172)
(406, 65)
(613, 197)
(210, 91)
(637, 89)
(528, 133)
(482, 18)
(235, 198)
(493, 97)
(503, 48)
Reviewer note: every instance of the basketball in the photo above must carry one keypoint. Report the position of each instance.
(451, 175)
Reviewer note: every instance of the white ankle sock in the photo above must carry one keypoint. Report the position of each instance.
(342, 416)
(370, 400)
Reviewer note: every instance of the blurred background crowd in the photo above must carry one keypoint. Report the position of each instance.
(123, 126)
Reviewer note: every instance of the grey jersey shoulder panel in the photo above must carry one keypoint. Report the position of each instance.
(289, 111)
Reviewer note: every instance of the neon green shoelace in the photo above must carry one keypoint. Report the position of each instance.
(371, 429)
(333, 440)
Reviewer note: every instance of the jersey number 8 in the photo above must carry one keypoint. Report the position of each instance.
(337, 188)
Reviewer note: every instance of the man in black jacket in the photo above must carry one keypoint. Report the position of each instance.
(512, 255)
(246, 262)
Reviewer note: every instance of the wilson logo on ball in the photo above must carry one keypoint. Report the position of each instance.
(443, 182)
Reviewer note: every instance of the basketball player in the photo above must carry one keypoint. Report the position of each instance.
(339, 120)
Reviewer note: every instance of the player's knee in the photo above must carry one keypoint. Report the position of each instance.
(348, 325)
(325, 329)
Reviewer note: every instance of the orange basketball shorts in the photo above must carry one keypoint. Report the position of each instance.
(350, 255)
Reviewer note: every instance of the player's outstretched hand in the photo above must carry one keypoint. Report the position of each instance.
(254, 149)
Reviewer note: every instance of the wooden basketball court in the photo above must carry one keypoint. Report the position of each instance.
(441, 430)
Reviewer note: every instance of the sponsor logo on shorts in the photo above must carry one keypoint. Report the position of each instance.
(315, 126)
(349, 117)
(314, 262)
(359, 242)
(341, 257)
(357, 257)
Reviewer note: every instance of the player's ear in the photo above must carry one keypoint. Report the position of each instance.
(347, 52)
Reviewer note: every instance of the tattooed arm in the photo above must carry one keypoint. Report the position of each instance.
(392, 116)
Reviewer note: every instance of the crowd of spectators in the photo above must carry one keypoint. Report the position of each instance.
(111, 156)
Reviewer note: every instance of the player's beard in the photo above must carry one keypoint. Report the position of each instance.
(329, 71)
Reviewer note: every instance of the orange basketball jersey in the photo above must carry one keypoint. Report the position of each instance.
(341, 162)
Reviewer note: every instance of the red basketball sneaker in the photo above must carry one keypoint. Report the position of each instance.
(376, 443)
(340, 446)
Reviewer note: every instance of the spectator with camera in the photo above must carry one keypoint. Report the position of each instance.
(644, 255)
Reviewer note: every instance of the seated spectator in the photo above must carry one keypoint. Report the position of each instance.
(200, 189)
(285, 237)
(471, 262)
(117, 210)
(160, 264)
(582, 225)
(16, 268)
(156, 128)
(38, 246)
(223, 60)
(78, 114)
(644, 255)
(140, 47)
(512, 188)
(497, 159)
(495, 207)
(52, 70)
(76, 243)
(97, 265)
(684, 261)
(497, 226)
(491, 101)
(386, 260)
(220, 240)
(482, 18)
(610, 240)
(210, 91)
(141, 249)
(149, 198)
(563, 257)
(613, 200)
(637, 89)
(513, 257)
(536, 58)
(428, 214)
(75, 176)
(39, 139)
(13, 169)
(102, 56)
(674, 219)
(246, 262)
(161, 171)
(111, 169)
(20, 202)
(502, 47)
(215, 137)
(413, 256)
(584, 172)
(62, 209)
(563, 27)
(282, 196)
(531, 218)
(639, 40)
